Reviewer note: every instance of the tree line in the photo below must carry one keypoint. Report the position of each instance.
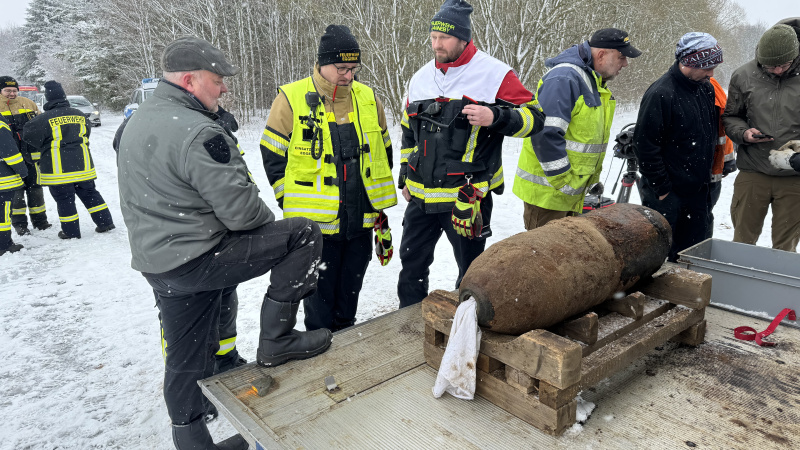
(103, 48)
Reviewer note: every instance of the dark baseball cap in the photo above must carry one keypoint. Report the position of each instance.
(616, 39)
(192, 53)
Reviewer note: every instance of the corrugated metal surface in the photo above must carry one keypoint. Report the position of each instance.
(724, 394)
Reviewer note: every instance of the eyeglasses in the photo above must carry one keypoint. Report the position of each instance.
(784, 66)
(343, 70)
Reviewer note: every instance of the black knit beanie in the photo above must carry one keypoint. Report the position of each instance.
(338, 45)
(453, 19)
(7, 81)
(54, 91)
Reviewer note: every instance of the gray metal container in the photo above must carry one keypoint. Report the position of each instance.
(753, 280)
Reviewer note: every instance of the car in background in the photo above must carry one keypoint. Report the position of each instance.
(28, 91)
(141, 94)
(88, 109)
(40, 101)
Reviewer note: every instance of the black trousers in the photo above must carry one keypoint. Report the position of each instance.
(421, 232)
(189, 301)
(64, 195)
(714, 191)
(341, 276)
(6, 198)
(229, 309)
(687, 216)
(35, 205)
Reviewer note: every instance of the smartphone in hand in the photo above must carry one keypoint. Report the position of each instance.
(762, 136)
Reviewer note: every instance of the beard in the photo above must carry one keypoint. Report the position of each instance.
(449, 57)
(445, 59)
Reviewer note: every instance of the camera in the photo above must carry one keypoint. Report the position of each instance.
(623, 148)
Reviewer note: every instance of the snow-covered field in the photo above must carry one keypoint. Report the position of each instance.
(81, 365)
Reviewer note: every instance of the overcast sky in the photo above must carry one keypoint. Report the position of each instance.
(770, 11)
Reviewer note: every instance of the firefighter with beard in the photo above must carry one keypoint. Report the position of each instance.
(460, 106)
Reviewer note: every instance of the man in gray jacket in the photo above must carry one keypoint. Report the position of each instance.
(761, 115)
(197, 226)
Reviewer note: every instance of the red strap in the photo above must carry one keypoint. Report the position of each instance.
(750, 334)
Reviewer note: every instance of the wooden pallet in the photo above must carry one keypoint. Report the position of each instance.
(537, 376)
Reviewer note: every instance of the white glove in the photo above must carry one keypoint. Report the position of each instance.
(780, 158)
(792, 145)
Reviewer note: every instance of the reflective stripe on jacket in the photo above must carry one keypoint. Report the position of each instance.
(556, 166)
(12, 166)
(441, 149)
(61, 136)
(310, 187)
(723, 151)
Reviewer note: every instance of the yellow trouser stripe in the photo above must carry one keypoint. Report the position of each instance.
(226, 345)
(98, 208)
(72, 218)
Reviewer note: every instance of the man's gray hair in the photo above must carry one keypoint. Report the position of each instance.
(174, 77)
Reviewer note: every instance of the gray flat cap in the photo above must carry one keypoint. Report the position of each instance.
(192, 53)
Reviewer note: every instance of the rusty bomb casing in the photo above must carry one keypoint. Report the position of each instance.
(540, 277)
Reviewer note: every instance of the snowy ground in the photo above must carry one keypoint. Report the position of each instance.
(82, 363)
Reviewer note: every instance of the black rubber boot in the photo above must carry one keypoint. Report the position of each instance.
(235, 442)
(104, 228)
(22, 230)
(42, 226)
(280, 342)
(62, 235)
(193, 436)
(13, 248)
(227, 362)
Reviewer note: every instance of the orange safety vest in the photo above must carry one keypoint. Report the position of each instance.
(723, 151)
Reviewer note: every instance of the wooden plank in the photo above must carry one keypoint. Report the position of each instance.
(432, 336)
(439, 305)
(681, 287)
(521, 380)
(353, 361)
(539, 353)
(583, 329)
(614, 325)
(487, 364)
(629, 306)
(554, 397)
(637, 339)
(608, 360)
(524, 406)
(692, 336)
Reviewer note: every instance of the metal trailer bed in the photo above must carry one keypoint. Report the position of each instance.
(726, 393)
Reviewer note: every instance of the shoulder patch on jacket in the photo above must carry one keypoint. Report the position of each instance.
(218, 148)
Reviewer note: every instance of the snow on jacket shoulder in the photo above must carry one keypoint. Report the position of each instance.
(182, 183)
